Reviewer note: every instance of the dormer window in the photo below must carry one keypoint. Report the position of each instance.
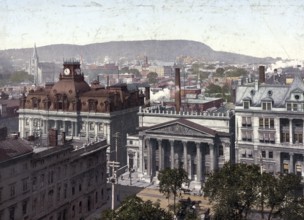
(292, 106)
(246, 104)
(266, 106)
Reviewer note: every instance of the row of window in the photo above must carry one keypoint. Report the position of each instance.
(264, 123)
(267, 106)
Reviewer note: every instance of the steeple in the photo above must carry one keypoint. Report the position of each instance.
(35, 54)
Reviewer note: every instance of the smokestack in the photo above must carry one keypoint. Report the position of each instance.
(177, 90)
(261, 74)
(98, 78)
(108, 80)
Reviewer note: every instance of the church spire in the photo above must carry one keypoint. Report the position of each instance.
(35, 54)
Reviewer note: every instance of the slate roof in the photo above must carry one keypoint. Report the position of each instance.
(11, 148)
(276, 93)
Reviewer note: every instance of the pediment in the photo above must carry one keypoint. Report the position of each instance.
(179, 129)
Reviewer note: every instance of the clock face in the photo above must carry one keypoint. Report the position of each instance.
(77, 71)
(66, 71)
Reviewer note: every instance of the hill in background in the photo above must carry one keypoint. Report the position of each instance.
(165, 50)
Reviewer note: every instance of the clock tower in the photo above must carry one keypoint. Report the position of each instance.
(72, 70)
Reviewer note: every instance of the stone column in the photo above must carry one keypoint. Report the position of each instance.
(160, 155)
(31, 121)
(96, 130)
(153, 157)
(198, 162)
(141, 154)
(172, 153)
(278, 163)
(291, 163)
(44, 127)
(290, 131)
(149, 157)
(185, 155)
(64, 126)
(211, 148)
(56, 124)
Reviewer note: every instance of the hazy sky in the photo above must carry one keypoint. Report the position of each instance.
(254, 27)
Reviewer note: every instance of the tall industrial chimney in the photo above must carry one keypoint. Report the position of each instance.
(177, 90)
(261, 74)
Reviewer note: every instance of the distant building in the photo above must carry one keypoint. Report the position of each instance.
(83, 112)
(65, 180)
(269, 124)
(42, 71)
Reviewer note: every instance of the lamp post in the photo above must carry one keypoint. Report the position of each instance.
(113, 165)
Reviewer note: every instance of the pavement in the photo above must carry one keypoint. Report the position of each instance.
(147, 191)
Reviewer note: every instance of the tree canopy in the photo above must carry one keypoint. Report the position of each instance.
(170, 182)
(134, 208)
(236, 189)
(152, 77)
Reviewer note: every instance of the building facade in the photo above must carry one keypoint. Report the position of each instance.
(197, 142)
(82, 111)
(63, 181)
(269, 125)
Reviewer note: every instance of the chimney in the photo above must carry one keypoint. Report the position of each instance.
(108, 80)
(261, 74)
(147, 95)
(97, 78)
(53, 139)
(63, 140)
(177, 90)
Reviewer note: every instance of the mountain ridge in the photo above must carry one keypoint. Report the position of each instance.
(165, 50)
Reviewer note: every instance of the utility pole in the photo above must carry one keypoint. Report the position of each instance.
(116, 135)
(113, 165)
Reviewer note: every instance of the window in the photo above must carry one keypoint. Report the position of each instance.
(73, 211)
(12, 213)
(92, 105)
(270, 154)
(24, 184)
(79, 187)
(80, 207)
(73, 190)
(266, 137)
(101, 127)
(298, 138)
(1, 190)
(263, 154)
(221, 150)
(92, 126)
(246, 121)
(292, 107)
(24, 207)
(266, 106)
(247, 135)
(299, 170)
(246, 104)
(285, 168)
(12, 190)
(284, 137)
(65, 191)
(266, 123)
(58, 192)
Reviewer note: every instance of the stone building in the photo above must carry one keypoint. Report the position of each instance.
(197, 141)
(63, 180)
(269, 124)
(82, 111)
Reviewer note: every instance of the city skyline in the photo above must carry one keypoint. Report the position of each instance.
(257, 28)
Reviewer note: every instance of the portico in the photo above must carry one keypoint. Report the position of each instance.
(182, 143)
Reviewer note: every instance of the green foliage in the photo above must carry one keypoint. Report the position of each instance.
(236, 188)
(236, 72)
(134, 208)
(135, 72)
(170, 182)
(220, 71)
(124, 70)
(152, 77)
(20, 76)
(212, 88)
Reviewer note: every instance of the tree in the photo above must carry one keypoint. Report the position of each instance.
(152, 77)
(135, 72)
(220, 71)
(236, 72)
(280, 193)
(233, 190)
(134, 208)
(212, 88)
(20, 76)
(170, 182)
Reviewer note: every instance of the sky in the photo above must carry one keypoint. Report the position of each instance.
(261, 28)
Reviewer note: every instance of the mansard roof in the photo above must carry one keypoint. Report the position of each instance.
(278, 94)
